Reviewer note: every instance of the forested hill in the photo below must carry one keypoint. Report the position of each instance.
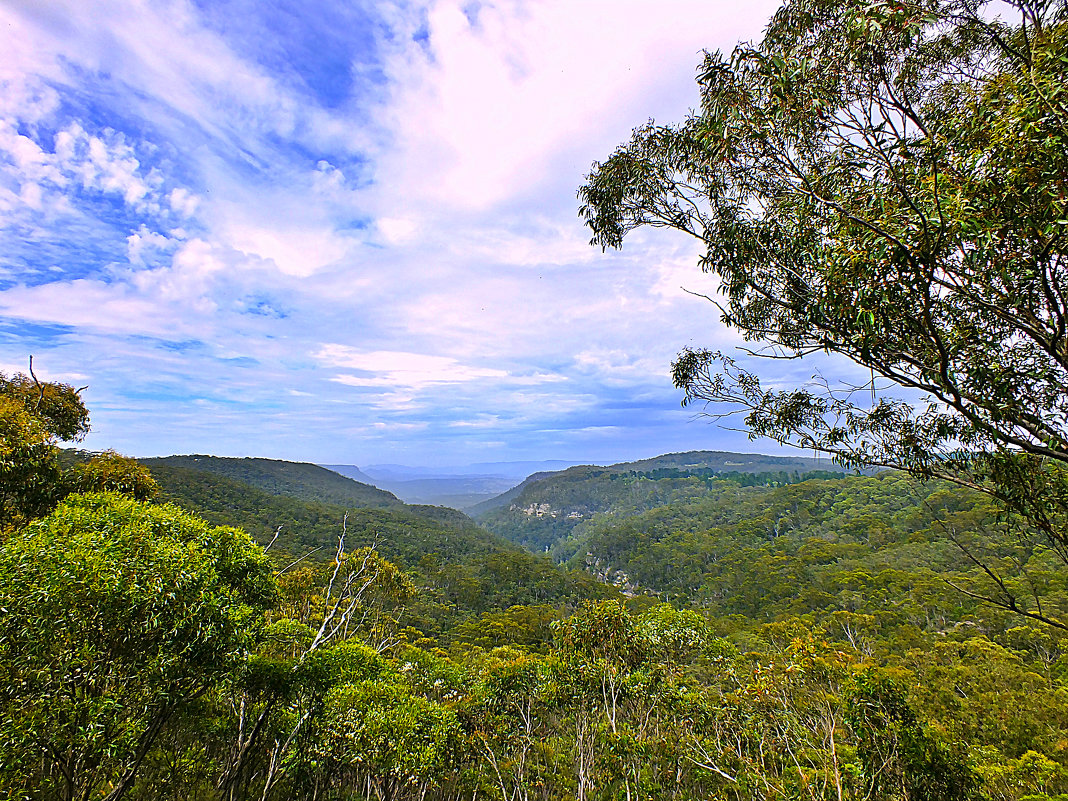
(307, 522)
(298, 480)
(545, 509)
(506, 498)
(767, 546)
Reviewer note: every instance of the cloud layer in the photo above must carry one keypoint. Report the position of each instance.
(349, 234)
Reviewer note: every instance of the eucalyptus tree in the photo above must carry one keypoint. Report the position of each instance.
(115, 614)
(35, 416)
(885, 180)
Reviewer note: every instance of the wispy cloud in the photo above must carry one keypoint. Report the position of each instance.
(414, 371)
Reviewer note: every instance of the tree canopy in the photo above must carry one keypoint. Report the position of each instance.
(886, 181)
(35, 416)
(115, 614)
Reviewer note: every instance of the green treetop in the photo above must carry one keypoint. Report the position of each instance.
(35, 417)
(115, 614)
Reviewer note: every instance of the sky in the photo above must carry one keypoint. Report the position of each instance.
(346, 232)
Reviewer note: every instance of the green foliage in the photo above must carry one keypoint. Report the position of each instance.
(982, 692)
(678, 636)
(346, 662)
(603, 632)
(899, 758)
(528, 626)
(34, 416)
(34, 475)
(111, 472)
(57, 406)
(115, 614)
(399, 743)
(28, 471)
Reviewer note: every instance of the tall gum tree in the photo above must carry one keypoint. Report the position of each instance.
(887, 181)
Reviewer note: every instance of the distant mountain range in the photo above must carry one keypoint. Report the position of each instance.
(513, 470)
(458, 486)
(350, 471)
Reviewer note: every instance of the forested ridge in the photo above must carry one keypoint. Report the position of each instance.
(546, 509)
(291, 479)
(884, 181)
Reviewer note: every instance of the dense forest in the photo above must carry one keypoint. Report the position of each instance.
(884, 181)
(702, 634)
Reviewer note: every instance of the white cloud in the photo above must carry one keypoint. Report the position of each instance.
(144, 245)
(396, 369)
(618, 365)
(491, 421)
(189, 278)
(183, 202)
(397, 230)
(27, 156)
(43, 373)
(295, 250)
(90, 304)
(493, 108)
(104, 163)
(107, 166)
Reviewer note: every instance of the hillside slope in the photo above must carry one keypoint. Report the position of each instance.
(350, 471)
(299, 480)
(546, 509)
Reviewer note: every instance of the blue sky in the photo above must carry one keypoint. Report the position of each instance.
(346, 232)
